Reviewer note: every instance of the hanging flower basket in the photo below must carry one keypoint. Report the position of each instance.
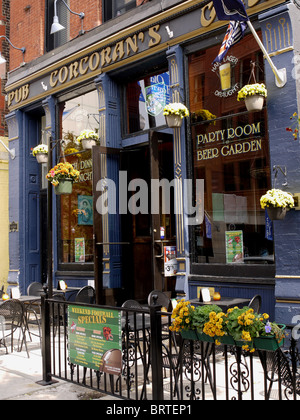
(276, 213)
(65, 187)
(42, 158)
(41, 153)
(175, 113)
(254, 96)
(62, 177)
(88, 139)
(277, 202)
(254, 103)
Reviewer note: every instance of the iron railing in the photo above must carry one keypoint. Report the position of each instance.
(158, 365)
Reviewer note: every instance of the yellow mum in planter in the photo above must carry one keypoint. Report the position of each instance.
(62, 171)
(251, 90)
(277, 198)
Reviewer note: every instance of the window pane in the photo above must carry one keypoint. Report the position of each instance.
(114, 8)
(76, 210)
(146, 99)
(231, 155)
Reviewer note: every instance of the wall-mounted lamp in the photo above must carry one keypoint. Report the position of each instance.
(56, 26)
(3, 61)
(12, 152)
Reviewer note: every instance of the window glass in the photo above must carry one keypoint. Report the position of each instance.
(114, 8)
(146, 99)
(231, 155)
(76, 210)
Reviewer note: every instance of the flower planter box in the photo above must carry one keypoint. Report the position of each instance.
(42, 157)
(227, 340)
(174, 121)
(276, 213)
(64, 187)
(254, 103)
(189, 334)
(196, 336)
(87, 144)
(269, 343)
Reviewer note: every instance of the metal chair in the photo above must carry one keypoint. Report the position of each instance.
(160, 298)
(12, 317)
(278, 370)
(35, 289)
(255, 303)
(86, 295)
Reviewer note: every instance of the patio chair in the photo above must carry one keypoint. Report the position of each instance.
(12, 320)
(278, 370)
(255, 303)
(86, 295)
(160, 298)
(35, 289)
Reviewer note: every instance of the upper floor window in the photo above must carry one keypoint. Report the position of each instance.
(114, 8)
(62, 37)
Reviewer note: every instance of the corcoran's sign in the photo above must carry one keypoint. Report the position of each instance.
(129, 44)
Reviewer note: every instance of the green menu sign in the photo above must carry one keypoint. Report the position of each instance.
(95, 338)
(234, 246)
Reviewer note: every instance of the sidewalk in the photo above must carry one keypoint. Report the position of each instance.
(19, 375)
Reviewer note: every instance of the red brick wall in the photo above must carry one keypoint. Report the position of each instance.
(28, 25)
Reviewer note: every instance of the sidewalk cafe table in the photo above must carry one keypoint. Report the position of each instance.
(225, 303)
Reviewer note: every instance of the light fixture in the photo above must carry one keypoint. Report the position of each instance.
(56, 26)
(3, 61)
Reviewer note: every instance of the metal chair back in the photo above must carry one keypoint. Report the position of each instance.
(159, 298)
(35, 289)
(255, 303)
(86, 295)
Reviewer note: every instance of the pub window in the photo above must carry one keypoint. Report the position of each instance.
(114, 8)
(75, 211)
(146, 99)
(62, 37)
(231, 155)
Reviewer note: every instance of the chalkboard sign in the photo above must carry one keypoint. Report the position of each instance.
(95, 338)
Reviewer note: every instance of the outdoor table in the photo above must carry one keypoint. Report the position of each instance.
(68, 293)
(225, 303)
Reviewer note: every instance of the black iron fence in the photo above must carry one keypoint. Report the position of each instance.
(157, 364)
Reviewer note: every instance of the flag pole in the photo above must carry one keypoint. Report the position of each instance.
(280, 75)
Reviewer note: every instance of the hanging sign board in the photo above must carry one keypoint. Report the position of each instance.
(170, 261)
(95, 338)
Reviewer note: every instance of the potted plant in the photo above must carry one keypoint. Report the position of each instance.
(238, 326)
(254, 96)
(62, 177)
(88, 139)
(277, 202)
(41, 153)
(175, 113)
(294, 129)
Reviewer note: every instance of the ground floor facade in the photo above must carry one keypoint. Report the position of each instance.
(173, 209)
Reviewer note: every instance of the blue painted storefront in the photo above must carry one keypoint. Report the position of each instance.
(281, 289)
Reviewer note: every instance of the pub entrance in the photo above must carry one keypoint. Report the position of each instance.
(149, 224)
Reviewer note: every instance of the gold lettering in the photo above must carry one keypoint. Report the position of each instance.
(156, 37)
(105, 56)
(94, 61)
(11, 96)
(18, 95)
(83, 70)
(118, 51)
(53, 82)
(63, 74)
(25, 92)
(252, 3)
(73, 69)
(132, 44)
(211, 16)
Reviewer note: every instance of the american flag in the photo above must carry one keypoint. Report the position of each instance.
(234, 34)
